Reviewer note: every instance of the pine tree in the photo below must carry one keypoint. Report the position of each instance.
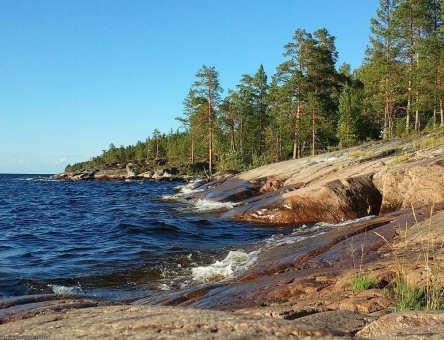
(348, 116)
(207, 86)
(381, 71)
(292, 74)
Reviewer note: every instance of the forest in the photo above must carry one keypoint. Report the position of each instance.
(310, 105)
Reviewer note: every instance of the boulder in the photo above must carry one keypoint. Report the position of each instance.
(160, 173)
(80, 175)
(132, 170)
(411, 184)
(111, 174)
(147, 174)
(166, 174)
(333, 202)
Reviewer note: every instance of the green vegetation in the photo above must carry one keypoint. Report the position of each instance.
(310, 105)
(401, 159)
(362, 282)
(360, 154)
(429, 293)
(408, 297)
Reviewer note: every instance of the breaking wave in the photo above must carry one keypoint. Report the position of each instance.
(190, 187)
(239, 261)
(65, 290)
(235, 262)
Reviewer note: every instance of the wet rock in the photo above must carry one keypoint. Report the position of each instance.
(318, 271)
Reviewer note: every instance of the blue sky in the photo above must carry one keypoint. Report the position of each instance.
(78, 75)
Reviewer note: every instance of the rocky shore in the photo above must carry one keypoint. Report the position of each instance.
(133, 171)
(300, 289)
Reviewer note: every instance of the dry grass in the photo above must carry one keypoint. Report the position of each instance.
(428, 293)
(360, 153)
(401, 159)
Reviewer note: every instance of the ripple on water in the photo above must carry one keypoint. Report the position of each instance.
(108, 236)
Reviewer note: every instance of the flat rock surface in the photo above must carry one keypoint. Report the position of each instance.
(406, 325)
(155, 322)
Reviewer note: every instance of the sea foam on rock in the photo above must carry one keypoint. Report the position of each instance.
(235, 262)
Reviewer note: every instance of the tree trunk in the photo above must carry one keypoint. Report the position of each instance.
(441, 110)
(296, 151)
(233, 141)
(409, 106)
(210, 141)
(417, 121)
(313, 149)
(192, 150)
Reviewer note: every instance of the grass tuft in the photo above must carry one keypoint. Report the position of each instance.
(401, 159)
(362, 282)
(408, 297)
(360, 153)
(429, 295)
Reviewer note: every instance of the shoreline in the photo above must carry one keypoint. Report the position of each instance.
(306, 283)
(285, 289)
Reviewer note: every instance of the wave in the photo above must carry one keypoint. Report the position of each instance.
(190, 187)
(182, 191)
(239, 261)
(37, 179)
(205, 205)
(235, 262)
(65, 290)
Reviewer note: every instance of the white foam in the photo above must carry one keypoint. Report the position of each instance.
(235, 262)
(205, 205)
(176, 197)
(183, 190)
(64, 290)
(164, 287)
(190, 187)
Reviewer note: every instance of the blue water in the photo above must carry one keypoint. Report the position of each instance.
(108, 239)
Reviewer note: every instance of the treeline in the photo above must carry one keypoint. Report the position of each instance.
(310, 105)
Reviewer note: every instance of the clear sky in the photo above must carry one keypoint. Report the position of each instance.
(78, 75)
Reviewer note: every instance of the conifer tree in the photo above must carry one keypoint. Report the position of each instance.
(208, 87)
(349, 108)
(381, 71)
(292, 75)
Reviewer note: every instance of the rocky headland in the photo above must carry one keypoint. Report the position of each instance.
(132, 171)
(301, 289)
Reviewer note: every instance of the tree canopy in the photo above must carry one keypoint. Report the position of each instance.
(310, 104)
